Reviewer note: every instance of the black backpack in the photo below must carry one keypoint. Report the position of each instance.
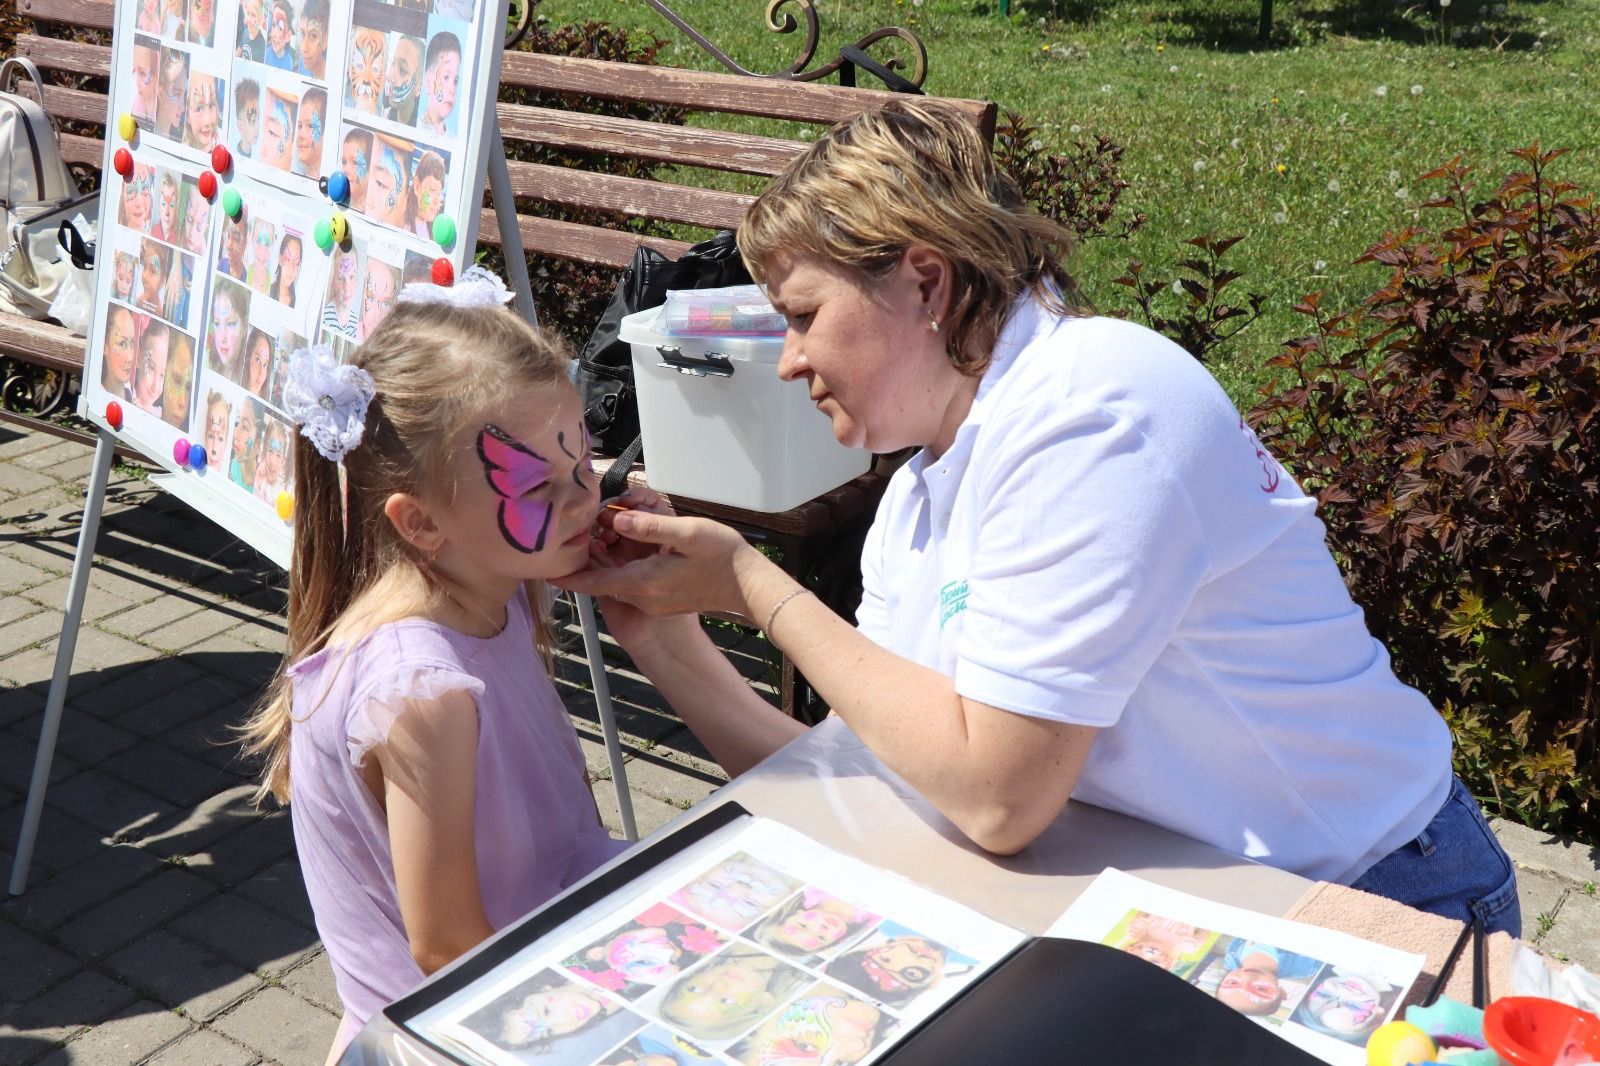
(605, 366)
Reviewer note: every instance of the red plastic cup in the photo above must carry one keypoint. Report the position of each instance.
(1534, 1031)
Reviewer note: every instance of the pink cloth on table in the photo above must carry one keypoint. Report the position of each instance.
(535, 828)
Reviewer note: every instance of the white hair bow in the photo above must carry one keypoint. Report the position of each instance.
(476, 287)
(328, 400)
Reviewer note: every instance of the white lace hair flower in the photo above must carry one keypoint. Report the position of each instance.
(476, 287)
(328, 400)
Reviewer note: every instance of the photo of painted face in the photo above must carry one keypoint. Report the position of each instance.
(441, 72)
(280, 36)
(825, 1025)
(165, 227)
(172, 94)
(355, 161)
(730, 992)
(155, 261)
(658, 945)
(896, 965)
(150, 370)
(123, 266)
(553, 1015)
(427, 191)
(251, 41)
(202, 22)
(273, 460)
(120, 350)
(1346, 1006)
(146, 73)
(230, 308)
(658, 1046)
(811, 924)
(368, 63)
(136, 207)
(246, 116)
(242, 455)
(389, 186)
(215, 430)
(148, 19)
(235, 241)
(378, 294)
(258, 271)
(287, 273)
(203, 115)
(1169, 944)
(313, 29)
(308, 133)
(277, 129)
(178, 392)
(196, 214)
(174, 16)
(402, 83)
(258, 363)
(180, 281)
(735, 892)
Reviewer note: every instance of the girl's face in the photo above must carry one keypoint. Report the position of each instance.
(120, 348)
(288, 262)
(819, 1029)
(813, 929)
(388, 195)
(180, 372)
(442, 77)
(907, 962)
(226, 327)
(377, 299)
(717, 992)
(553, 1012)
(203, 109)
(152, 373)
(260, 364)
(216, 433)
(151, 270)
(174, 88)
(244, 431)
(145, 62)
(124, 279)
(354, 156)
(736, 893)
(308, 136)
(430, 198)
(169, 208)
(195, 217)
(1347, 1005)
(272, 457)
(646, 956)
(136, 196)
(261, 244)
(345, 272)
(149, 16)
(202, 15)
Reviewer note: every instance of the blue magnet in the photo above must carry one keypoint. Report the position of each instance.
(338, 187)
(197, 457)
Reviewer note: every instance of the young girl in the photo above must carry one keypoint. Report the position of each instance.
(438, 790)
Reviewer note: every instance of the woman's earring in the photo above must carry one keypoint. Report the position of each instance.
(933, 323)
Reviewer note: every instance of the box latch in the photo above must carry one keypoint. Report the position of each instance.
(710, 364)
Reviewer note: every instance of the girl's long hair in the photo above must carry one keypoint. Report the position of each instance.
(436, 369)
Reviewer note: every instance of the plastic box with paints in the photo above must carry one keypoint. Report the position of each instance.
(719, 425)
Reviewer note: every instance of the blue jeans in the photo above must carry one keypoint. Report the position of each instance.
(1455, 868)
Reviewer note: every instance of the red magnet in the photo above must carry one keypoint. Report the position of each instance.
(220, 159)
(443, 272)
(208, 184)
(122, 162)
(114, 415)
(180, 451)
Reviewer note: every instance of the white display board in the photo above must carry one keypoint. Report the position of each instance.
(199, 309)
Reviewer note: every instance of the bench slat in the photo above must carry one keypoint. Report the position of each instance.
(89, 14)
(639, 197)
(48, 53)
(571, 240)
(684, 145)
(43, 343)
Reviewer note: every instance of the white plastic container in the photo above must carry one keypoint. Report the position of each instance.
(720, 426)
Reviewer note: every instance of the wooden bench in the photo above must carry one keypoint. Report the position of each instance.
(811, 536)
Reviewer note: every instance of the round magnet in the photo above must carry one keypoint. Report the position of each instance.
(180, 451)
(122, 162)
(221, 160)
(114, 415)
(443, 272)
(285, 506)
(338, 187)
(323, 234)
(208, 184)
(126, 127)
(197, 457)
(232, 203)
(444, 230)
(339, 227)
(322, 185)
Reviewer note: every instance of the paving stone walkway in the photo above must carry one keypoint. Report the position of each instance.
(165, 923)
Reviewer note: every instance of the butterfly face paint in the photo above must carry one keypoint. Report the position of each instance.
(513, 470)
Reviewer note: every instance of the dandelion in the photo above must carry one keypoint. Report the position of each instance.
(1199, 165)
(1402, 193)
(1280, 217)
(1044, 48)
(1344, 116)
(1035, 144)
(1394, 176)
(1074, 128)
(1282, 168)
(1416, 90)
(1381, 91)
(1177, 288)
(1173, 69)
(1333, 186)
(1160, 48)
(1274, 100)
(1444, 3)
(1320, 265)
(1235, 143)
(1105, 88)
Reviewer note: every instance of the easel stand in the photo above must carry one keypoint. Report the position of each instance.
(89, 531)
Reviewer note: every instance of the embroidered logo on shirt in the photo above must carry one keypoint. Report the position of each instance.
(952, 601)
(1269, 465)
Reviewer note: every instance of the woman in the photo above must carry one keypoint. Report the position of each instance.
(1090, 581)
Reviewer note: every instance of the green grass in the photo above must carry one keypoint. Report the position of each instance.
(1206, 114)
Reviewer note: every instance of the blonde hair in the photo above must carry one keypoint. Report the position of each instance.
(436, 369)
(915, 172)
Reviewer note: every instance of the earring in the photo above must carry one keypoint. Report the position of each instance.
(933, 323)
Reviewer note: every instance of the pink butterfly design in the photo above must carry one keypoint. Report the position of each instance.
(512, 469)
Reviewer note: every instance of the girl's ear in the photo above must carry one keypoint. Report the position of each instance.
(414, 522)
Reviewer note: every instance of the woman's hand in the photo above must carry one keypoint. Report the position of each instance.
(633, 628)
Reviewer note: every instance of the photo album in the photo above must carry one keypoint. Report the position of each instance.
(275, 172)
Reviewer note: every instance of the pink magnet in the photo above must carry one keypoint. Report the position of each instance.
(443, 272)
(122, 162)
(208, 184)
(220, 159)
(114, 415)
(180, 451)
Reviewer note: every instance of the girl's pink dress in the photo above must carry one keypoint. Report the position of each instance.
(536, 829)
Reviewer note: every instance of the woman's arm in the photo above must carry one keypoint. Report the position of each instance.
(429, 773)
(1000, 777)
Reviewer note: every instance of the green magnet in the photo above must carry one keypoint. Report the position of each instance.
(324, 235)
(444, 230)
(232, 203)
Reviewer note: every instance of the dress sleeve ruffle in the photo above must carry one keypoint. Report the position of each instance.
(383, 704)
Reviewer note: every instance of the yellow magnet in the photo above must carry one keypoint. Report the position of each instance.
(339, 228)
(285, 506)
(127, 127)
